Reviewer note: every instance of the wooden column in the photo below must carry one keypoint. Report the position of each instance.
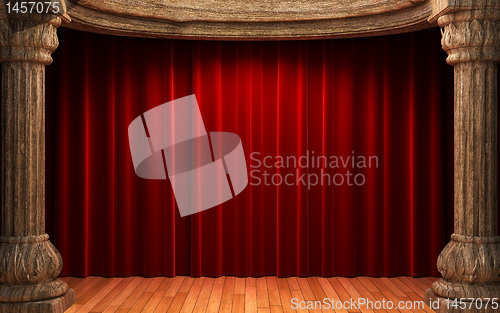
(29, 263)
(470, 263)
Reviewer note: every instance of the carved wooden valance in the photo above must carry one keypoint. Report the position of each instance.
(249, 19)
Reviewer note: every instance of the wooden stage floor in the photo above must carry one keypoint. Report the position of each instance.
(261, 295)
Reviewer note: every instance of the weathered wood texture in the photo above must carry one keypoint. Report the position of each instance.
(29, 263)
(249, 19)
(470, 263)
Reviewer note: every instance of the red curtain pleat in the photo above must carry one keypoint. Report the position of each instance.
(382, 96)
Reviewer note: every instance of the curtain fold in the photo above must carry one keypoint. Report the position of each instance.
(381, 97)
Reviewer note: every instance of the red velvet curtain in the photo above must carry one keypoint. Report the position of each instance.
(381, 96)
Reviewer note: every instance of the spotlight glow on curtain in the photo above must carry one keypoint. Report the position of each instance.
(378, 96)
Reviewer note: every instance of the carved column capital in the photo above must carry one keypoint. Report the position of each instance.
(28, 37)
(471, 35)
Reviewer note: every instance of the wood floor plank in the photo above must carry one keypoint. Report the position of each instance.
(136, 294)
(262, 293)
(141, 302)
(387, 293)
(79, 285)
(88, 287)
(368, 284)
(392, 287)
(250, 299)
(297, 294)
(319, 293)
(100, 294)
(400, 284)
(164, 305)
(283, 283)
(177, 302)
(306, 289)
(215, 298)
(286, 300)
(238, 303)
(153, 302)
(272, 287)
(409, 282)
(276, 309)
(199, 281)
(380, 286)
(415, 296)
(71, 281)
(423, 282)
(239, 286)
(93, 291)
(249, 295)
(74, 308)
(154, 284)
(204, 296)
(293, 283)
(349, 288)
(226, 307)
(106, 300)
(192, 296)
(165, 284)
(250, 282)
(402, 296)
(342, 293)
(409, 288)
(354, 294)
(365, 293)
(228, 291)
(220, 280)
(122, 296)
(158, 295)
(186, 284)
(331, 294)
(174, 286)
(328, 289)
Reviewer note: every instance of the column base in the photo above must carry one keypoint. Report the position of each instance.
(444, 305)
(56, 305)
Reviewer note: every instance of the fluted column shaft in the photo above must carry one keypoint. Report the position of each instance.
(29, 263)
(470, 263)
(476, 149)
(23, 149)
